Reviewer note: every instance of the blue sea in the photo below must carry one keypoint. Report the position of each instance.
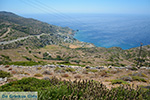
(104, 30)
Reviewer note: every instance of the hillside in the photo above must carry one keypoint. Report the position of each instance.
(16, 31)
(26, 39)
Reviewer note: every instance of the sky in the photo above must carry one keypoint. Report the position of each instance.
(76, 6)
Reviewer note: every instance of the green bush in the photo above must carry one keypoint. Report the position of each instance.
(27, 58)
(4, 74)
(58, 58)
(6, 57)
(138, 78)
(92, 70)
(26, 84)
(53, 93)
(25, 63)
(55, 89)
(117, 81)
(57, 68)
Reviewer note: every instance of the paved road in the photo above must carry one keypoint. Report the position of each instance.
(21, 38)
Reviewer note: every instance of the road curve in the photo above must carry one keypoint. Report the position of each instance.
(21, 38)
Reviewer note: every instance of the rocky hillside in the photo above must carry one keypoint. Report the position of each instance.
(16, 31)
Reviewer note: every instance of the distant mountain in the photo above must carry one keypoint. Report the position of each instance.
(29, 25)
(31, 32)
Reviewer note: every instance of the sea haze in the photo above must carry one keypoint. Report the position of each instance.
(104, 30)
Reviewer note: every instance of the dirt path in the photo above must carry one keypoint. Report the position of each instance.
(5, 33)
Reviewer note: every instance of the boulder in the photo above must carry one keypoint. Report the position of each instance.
(131, 68)
(139, 74)
(51, 66)
(1, 79)
(110, 66)
(46, 78)
(101, 67)
(47, 72)
(87, 67)
(142, 67)
(62, 65)
(147, 87)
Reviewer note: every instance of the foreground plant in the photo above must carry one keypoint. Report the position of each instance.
(55, 88)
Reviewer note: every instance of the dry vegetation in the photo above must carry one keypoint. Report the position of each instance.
(55, 54)
(110, 77)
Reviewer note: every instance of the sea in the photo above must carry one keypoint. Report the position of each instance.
(103, 30)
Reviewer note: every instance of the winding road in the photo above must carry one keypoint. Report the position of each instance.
(21, 38)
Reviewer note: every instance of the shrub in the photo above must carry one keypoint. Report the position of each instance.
(12, 79)
(56, 89)
(24, 63)
(92, 70)
(10, 69)
(4, 74)
(45, 54)
(39, 68)
(26, 84)
(30, 51)
(70, 69)
(57, 68)
(27, 58)
(137, 78)
(144, 75)
(58, 58)
(27, 48)
(117, 81)
(26, 73)
(7, 66)
(38, 75)
(6, 57)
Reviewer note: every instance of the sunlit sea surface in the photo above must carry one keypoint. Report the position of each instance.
(103, 30)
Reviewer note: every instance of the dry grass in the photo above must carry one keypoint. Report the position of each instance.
(77, 76)
(65, 75)
(14, 72)
(84, 72)
(38, 75)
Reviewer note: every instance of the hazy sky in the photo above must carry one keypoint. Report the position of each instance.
(76, 6)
